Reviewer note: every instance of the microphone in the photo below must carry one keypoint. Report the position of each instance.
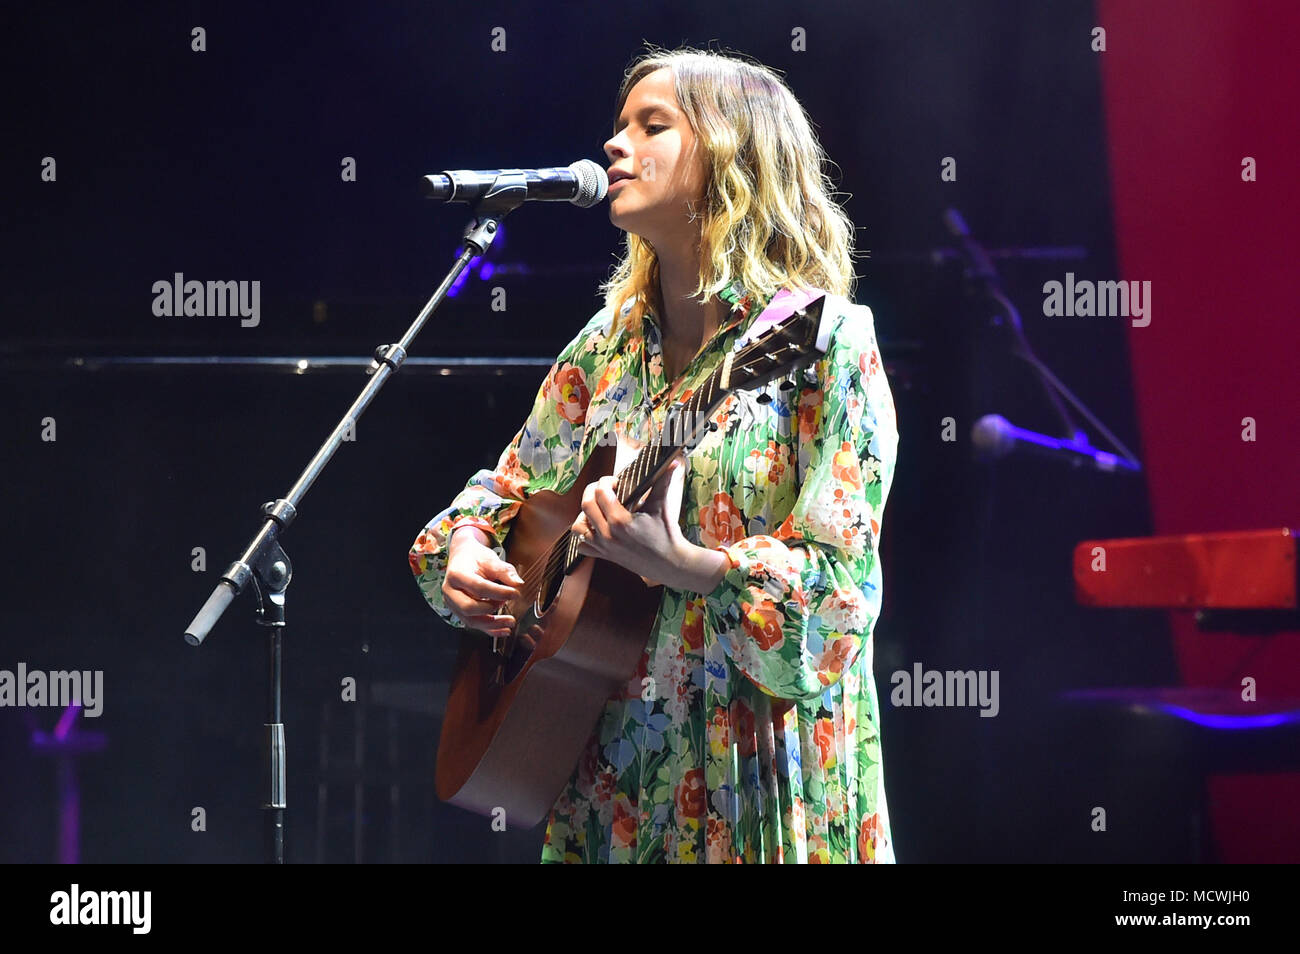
(980, 265)
(995, 437)
(584, 183)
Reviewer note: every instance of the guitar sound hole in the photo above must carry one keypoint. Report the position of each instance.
(528, 632)
(546, 596)
(525, 644)
(528, 628)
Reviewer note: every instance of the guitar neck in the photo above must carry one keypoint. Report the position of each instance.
(684, 426)
(781, 350)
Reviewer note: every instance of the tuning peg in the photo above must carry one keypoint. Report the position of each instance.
(787, 385)
(764, 398)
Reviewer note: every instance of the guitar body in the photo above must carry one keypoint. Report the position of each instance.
(516, 725)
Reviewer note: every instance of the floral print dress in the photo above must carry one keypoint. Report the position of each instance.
(750, 730)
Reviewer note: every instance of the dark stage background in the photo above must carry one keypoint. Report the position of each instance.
(225, 164)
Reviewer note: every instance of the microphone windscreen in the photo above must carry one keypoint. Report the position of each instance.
(593, 183)
(992, 435)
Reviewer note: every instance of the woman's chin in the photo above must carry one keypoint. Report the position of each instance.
(628, 223)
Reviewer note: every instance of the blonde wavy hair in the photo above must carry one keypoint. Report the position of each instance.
(769, 219)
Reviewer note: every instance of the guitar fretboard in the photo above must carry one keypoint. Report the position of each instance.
(681, 428)
(779, 350)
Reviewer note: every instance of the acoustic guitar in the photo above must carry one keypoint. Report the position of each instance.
(521, 708)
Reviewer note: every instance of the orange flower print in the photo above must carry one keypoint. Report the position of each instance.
(721, 522)
(776, 471)
(798, 823)
(818, 852)
(869, 364)
(868, 831)
(843, 513)
(613, 372)
(623, 831)
(693, 627)
(810, 406)
(424, 544)
(762, 623)
(569, 392)
(605, 783)
(724, 410)
(833, 660)
(845, 611)
(512, 477)
(690, 795)
(719, 732)
(844, 465)
(742, 721)
(824, 736)
(717, 840)
(766, 464)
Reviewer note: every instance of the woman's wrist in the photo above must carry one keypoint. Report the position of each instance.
(703, 569)
(471, 531)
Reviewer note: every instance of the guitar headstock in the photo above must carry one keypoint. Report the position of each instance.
(786, 347)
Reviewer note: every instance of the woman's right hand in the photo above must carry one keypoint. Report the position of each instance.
(478, 581)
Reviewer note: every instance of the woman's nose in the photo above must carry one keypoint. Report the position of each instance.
(614, 147)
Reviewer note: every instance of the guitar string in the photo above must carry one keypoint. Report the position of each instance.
(638, 470)
(561, 551)
(564, 549)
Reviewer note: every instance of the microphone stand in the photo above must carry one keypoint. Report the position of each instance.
(980, 269)
(264, 562)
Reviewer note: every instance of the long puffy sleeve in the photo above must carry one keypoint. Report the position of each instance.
(799, 603)
(542, 456)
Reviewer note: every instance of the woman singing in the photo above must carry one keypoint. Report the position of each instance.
(759, 740)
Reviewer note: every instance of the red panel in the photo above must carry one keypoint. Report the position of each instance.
(1253, 569)
(1192, 87)
(1254, 834)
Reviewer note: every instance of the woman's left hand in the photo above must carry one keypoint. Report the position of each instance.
(648, 541)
